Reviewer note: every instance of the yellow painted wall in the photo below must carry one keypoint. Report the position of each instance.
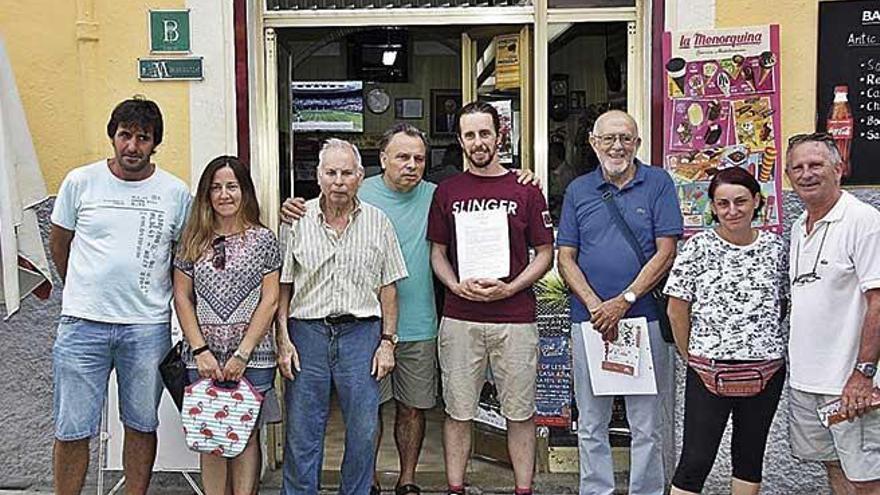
(798, 35)
(74, 60)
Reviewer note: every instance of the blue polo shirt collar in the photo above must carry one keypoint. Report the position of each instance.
(599, 182)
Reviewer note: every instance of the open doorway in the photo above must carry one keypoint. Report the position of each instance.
(587, 76)
(355, 82)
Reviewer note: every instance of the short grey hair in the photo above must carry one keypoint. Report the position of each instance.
(833, 153)
(402, 128)
(340, 144)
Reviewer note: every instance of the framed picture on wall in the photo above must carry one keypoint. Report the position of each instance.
(408, 108)
(578, 100)
(437, 154)
(445, 104)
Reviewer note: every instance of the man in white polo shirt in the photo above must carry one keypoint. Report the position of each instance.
(835, 318)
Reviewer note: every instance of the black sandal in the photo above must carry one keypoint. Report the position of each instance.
(407, 489)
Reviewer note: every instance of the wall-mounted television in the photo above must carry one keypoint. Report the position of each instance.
(331, 106)
(379, 55)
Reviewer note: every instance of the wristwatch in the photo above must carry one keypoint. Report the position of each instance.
(630, 297)
(238, 354)
(867, 369)
(390, 337)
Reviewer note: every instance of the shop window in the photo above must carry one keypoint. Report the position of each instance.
(587, 76)
(385, 4)
(570, 4)
(352, 71)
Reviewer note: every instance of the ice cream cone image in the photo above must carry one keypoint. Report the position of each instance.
(676, 68)
(723, 82)
(767, 163)
(748, 77)
(737, 66)
(767, 61)
(696, 84)
(770, 211)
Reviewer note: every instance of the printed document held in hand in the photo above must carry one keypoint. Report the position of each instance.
(624, 366)
(482, 244)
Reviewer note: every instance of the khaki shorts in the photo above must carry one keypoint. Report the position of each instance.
(413, 381)
(856, 445)
(467, 348)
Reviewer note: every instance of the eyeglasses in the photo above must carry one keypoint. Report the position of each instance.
(219, 258)
(608, 140)
(811, 276)
(822, 137)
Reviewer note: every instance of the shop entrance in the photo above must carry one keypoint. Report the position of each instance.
(355, 81)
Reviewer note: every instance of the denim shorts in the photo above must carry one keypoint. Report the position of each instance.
(85, 352)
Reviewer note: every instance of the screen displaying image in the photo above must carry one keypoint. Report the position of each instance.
(336, 106)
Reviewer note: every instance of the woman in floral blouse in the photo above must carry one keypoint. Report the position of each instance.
(226, 292)
(727, 293)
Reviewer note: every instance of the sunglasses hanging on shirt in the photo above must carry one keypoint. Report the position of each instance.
(219, 258)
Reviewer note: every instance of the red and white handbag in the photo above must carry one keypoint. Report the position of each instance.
(219, 420)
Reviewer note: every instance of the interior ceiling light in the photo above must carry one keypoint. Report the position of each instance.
(389, 57)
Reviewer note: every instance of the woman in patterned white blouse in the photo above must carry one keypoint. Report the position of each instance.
(727, 293)
(226, 293)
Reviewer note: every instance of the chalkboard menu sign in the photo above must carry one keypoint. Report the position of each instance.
(848, 90)
(553, 388)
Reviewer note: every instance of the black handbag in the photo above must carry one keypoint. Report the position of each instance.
(657, 295)
(173, 373)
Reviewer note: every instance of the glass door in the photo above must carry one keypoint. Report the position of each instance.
(496, 67)
(589, 72)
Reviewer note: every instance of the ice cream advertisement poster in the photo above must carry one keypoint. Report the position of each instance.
(721, 109)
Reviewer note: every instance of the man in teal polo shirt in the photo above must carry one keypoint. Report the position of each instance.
(402, 194)
(405, 198)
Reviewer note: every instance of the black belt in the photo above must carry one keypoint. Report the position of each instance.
(346, 318)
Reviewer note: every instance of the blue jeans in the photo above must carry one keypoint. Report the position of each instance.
(647, 416)
(341, 355)
(84, 353)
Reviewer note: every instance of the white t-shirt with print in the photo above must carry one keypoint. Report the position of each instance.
(735, 294)
(827, 313)
(119, 268)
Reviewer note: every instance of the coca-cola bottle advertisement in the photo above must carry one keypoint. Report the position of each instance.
(841, 126)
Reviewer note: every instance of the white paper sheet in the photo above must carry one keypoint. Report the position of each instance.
(622, 355)
(482, 244)
(612, 383)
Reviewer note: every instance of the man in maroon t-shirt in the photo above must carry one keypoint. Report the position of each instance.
(488, 320)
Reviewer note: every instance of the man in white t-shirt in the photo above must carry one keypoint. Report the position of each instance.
(114, 226)
(834, 345)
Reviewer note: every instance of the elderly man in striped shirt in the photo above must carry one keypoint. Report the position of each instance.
(338, 288)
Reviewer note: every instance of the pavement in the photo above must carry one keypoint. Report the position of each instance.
(552, 485)
(265, 491)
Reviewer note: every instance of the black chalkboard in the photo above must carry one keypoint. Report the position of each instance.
(849, 54)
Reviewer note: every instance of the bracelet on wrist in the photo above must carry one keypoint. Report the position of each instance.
(242, 356)
(200, 350)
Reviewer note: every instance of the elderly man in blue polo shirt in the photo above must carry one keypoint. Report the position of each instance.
(609, 282)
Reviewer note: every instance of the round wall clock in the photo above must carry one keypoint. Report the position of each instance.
(378, 100)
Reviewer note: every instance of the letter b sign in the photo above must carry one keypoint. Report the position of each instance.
(169, 31)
